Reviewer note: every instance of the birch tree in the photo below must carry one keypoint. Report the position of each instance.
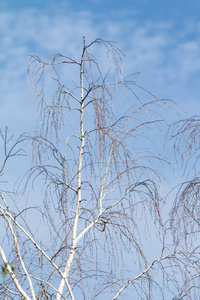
(92, 221)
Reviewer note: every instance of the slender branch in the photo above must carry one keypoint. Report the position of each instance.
(12, 275)
(8, 220)
(35, 244)
(144, 272)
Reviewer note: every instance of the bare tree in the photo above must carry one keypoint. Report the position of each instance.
(97, 225)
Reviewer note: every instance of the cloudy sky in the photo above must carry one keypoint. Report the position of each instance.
(160, 39)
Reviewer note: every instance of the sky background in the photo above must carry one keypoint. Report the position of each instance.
(160, 39)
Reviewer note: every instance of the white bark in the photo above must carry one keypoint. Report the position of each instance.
(12, 275)
(76, 218)
(7, 213)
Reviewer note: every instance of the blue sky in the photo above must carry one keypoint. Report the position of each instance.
(159, 38)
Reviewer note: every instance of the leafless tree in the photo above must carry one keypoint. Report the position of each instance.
(95, 222)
